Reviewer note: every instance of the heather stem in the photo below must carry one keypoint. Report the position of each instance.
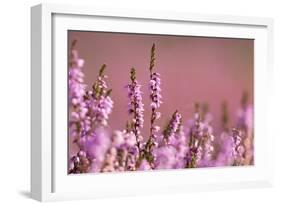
(224, 117)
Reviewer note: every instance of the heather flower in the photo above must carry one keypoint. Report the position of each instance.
(136, 108)
(79, 163)
(172, 128)
(238, 149)
(123, 153)
(201, 138)
(118, 139)
(225, 153)
(154, 86)
(196, 132)
(155, 97)
(165, 157)
(123, 139)
(180, 143)
(96, 147)
(76, 81)
(224, 143)
(76, 76)
(110, 162)
(144, 165)
(79, 122)
(131, 151)
(100, 102)
(231, 149)
(101, 109)
(207, 142)
(207, 151)
(245, 126)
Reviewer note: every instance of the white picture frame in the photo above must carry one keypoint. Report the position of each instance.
(49, 179)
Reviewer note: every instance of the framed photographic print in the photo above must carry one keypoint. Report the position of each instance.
(138, 102)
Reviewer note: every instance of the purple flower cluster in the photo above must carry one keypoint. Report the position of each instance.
(79, 122)
(89, 112)
(100, 101)
(225, 154)
(155, 97)
(238, 149)
(79, 163)
(179, 144)
(154, 85)
(122, 154)
(135, 106)
(245, 126)
(195, 134)
(173, 127)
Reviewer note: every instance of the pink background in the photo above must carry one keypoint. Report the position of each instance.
(192, 69)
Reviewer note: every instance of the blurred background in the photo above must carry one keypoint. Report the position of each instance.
(193, 69)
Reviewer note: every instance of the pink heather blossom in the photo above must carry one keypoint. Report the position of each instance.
(155, 98)
(100, 102)
(79, 122)
(207, 142)
(154, 87)
(245, 126)
(97, 147)
(136, 107)
(225, 156)
(194, 131)
(180, 143)
(101, 109)
(173, 127)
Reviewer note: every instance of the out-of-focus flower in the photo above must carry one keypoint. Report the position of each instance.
(79, 163)
(110, 163)
(225, 149)
(96, 147)
(207, 142)
(165, 157)
(123, 154)
(144, 165)
(194, 131)
(245, 126)
(180, 143)
(79, 123)
(201, 138)
(238, 149)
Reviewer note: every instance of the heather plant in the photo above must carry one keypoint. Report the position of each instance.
(184, 142)
(135, 107)
(245, 126)
(155, 97)
(200, 138)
